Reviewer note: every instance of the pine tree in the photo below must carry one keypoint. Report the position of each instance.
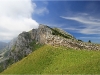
(89, 41)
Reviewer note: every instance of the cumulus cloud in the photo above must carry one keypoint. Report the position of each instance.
(15, 17)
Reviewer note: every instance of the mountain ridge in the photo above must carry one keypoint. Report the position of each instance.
(27, 42)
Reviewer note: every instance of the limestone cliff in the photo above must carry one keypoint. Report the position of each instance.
(26, 42)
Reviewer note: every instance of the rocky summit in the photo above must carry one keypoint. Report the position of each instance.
(27, 42)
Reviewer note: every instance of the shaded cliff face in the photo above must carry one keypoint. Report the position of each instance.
(27, 42)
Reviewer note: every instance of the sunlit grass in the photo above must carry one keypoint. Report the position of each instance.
(52, 60)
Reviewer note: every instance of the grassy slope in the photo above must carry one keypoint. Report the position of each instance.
(51, 60)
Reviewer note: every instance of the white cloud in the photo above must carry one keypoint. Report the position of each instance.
(85, 20)
(85, 14)
(71, 28)
(91, 25)
(42, 10)
(15, 17)
(89, 37)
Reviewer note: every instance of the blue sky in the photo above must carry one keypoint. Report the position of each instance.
(79, 18)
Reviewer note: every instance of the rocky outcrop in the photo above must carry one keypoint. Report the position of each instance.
(60, 41)
(27, 42)
(21, 46)
(58, 37)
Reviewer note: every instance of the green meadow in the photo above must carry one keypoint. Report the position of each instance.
(57, 60)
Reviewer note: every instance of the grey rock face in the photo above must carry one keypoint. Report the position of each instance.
(24, 43)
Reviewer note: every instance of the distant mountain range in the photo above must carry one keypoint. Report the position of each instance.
(2, 45)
